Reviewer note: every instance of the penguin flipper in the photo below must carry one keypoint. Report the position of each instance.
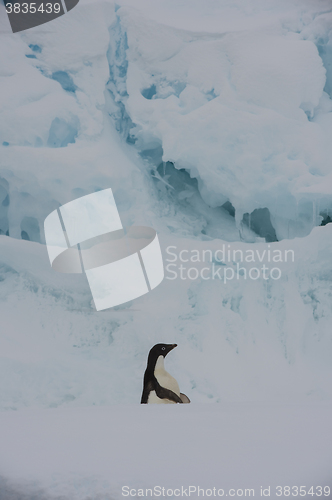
(184, 398)
(164, 393)
(145, 394)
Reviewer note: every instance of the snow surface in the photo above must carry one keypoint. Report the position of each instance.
(91, 453)
(211, 123)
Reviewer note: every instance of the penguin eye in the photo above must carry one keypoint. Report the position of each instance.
(163, 348)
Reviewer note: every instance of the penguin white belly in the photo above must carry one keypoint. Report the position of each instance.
(165, 380)
(153, 399)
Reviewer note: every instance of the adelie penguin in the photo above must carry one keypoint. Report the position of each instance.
(159, 386)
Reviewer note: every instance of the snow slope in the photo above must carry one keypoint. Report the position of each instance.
(239, 340)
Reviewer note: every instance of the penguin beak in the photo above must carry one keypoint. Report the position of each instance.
(173, 346)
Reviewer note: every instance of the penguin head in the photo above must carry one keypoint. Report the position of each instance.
(162, 349)
(159, 350)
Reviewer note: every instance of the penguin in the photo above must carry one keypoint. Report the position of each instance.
(160, 387)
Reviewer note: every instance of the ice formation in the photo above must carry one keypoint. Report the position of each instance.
(213, 127)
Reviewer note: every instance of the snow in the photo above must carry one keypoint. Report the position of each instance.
(239, 339)
(211, 123)
(94, 452)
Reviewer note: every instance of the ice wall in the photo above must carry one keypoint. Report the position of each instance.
(246, 112)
